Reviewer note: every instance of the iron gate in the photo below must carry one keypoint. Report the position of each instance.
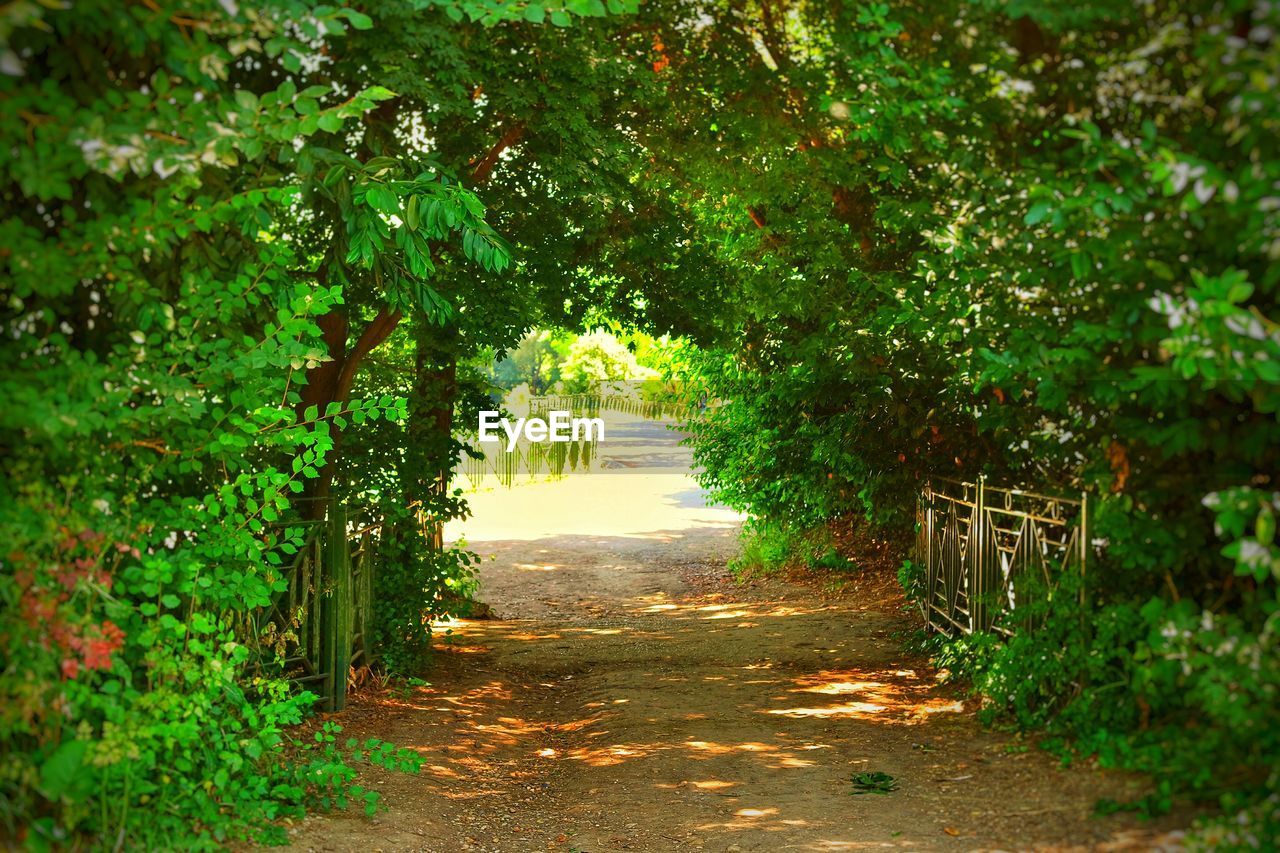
(994, 557)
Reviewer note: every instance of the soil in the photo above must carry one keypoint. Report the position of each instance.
(632, 695)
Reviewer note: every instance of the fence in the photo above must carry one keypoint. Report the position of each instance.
(319, 626)
(994, 557)
(531, 460)
(592, 404)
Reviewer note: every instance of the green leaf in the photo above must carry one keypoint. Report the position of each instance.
(330, 122)
(1079, 265)
(359, 20)
(383, 199)
(59, 771)
(534, 13)
(1037, 213)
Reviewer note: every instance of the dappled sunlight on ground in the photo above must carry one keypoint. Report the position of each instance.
(735, 610)
(705, 785)
(631, 696)
(897, 696)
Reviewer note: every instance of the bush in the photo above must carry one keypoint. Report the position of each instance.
(1055, 268)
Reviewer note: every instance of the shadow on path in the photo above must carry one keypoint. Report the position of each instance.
(634, 697)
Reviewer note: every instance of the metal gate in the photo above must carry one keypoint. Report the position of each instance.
(994, 557)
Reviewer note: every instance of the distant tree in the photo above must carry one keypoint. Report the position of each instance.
(598, 359)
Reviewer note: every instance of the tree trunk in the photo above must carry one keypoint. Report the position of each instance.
(330, 382)
(430, 428)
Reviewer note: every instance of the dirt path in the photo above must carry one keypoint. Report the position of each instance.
(633, 697)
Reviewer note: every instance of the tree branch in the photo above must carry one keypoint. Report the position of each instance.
(484, 167)
(375, 333)
(772, 37)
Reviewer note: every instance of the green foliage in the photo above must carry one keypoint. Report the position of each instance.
(562, 362)
(535, 361)
(596, 360)
(252, 255)
(328, 769)
(765, 547)
(188, 202)
(770, 546)
(873, 782)
(560, 14)
(1031, 243)
(416, 579)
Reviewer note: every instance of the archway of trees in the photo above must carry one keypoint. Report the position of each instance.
(256, 253)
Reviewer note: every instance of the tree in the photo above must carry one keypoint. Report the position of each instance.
(537, 121)
(599, 359)
(200, 253)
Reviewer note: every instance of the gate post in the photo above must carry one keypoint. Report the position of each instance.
(976, 549)
(336, 653)
(929, 575)
(1084, 544)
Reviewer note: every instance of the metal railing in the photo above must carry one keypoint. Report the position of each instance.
(595, 403)
(994, 558)
(527, 462)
